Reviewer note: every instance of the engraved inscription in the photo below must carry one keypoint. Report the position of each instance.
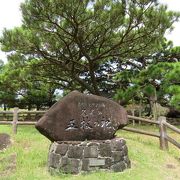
(92, 115)
(72, 125)
(85, 125)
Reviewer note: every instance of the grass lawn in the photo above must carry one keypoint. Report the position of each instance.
(26, 159)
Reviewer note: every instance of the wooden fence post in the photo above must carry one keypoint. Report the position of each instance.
(15, 120)
(133, 114)
(163, 136)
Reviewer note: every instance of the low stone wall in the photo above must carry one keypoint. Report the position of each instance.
(84, 156)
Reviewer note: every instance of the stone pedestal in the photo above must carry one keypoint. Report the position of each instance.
(84, 156)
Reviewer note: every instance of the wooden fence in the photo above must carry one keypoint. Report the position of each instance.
(162, 135)
(15, 118)
(161, 123)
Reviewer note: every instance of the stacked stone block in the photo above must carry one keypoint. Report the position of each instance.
(77, 156)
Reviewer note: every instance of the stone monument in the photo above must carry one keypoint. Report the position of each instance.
(82, 130)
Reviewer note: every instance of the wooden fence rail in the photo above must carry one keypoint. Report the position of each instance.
(162, 124)
(141, 132)
(142, 119)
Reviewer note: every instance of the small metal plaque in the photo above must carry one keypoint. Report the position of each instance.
(96, 162)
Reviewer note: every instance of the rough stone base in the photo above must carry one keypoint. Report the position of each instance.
(77, 156)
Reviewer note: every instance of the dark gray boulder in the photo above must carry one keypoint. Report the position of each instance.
(5, 141)
(78, 117)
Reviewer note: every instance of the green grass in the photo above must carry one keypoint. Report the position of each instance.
(148, 161)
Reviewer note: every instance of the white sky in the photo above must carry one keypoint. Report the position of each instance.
(10, 16)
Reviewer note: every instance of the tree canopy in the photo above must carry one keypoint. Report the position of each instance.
(82, 44)
(104, 47)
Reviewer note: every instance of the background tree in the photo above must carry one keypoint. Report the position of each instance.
(155, 82)
(83, 44)
(1, 65)
(7, 95)
(18, 87)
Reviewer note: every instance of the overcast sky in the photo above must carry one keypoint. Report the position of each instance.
(10, 16)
